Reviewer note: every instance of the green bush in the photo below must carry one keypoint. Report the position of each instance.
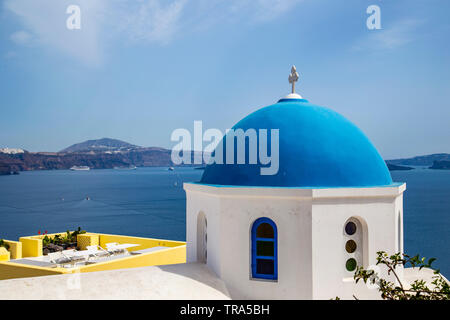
(4, 244)
(69, 237)
(418, 290)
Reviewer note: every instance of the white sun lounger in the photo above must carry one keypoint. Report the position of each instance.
(120, 248)
(66, 256)
(58, 258)
(96, 251)
(74, 256)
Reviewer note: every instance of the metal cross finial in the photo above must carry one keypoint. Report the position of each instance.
(293, 78)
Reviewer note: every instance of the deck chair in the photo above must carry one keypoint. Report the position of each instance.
(58, 258)
(112, 248)
(96, 251)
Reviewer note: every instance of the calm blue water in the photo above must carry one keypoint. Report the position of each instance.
(143, 202)
(150, 202)
(426, 214)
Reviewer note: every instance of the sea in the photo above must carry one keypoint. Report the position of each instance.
(151, 202)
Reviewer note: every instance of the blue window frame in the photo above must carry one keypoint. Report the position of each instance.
(264, 249)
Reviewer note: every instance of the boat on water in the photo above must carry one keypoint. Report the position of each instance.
(171, 168)
(126, 168)
(80, 168)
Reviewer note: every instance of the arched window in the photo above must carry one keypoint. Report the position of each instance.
(353, 237)
(264, 249)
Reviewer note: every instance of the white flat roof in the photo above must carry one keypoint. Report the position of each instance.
(426, 274)
(176, 282)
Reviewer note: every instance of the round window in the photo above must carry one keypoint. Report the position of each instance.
(350, 264)
(350, 228)
(350, 246)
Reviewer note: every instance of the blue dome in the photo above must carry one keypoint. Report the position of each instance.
(318, 148)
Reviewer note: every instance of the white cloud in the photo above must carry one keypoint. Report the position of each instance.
(46, 20)
(150, 21)
(399, 34)
(263, 10)
(21, 37)
(161, 20)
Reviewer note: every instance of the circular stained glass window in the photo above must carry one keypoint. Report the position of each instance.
(350, 264)
(350, 246)
(350, 228)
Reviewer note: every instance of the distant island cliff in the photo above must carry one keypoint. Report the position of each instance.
(108, 153)
(97, 154)
(426, 160)
(432, 161)
(106, 145)
(5, 169)
(441, 165)
(395, 167)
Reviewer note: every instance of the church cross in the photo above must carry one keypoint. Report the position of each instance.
(293, 78)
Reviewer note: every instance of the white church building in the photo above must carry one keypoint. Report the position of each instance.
(299, 233)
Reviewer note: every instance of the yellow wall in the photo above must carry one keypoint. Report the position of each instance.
(144, 243)
(4, 254)
(175, 255)
(9, 270)
(87, 239)
(31, 247)
(15, 248)
(162, 257)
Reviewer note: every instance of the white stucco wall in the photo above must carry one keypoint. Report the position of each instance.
(376, 209)
(311, 240)
(293, 220)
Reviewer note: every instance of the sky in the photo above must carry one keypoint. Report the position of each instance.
(138, 70)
